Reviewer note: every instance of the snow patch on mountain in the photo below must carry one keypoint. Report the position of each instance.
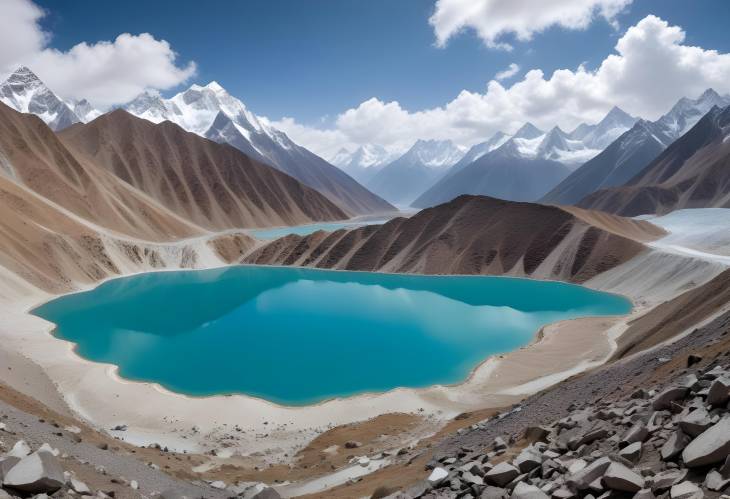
(26, 93)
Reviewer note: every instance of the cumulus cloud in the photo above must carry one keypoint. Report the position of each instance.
(650, 70)
(508, 73)
(105, 72)
(492, 20)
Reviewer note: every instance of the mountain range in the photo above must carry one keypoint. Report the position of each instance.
(526, 165)
(633, 150)
(600, 166)
(25, 92)
(364, 162)
(402, 180)
(211, 112)
(693, 172)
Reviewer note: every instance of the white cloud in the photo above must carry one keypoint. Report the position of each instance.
(105, 72)
(493, 19)
(650, 70)
(508, 73)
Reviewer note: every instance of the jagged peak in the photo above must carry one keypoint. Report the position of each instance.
(710, 94)
(215, 86)
(616, 113)
(23, 75)
(528, 131)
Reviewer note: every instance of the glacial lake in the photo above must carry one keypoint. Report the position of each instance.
(299, 336)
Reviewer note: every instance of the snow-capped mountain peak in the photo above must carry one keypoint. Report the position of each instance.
(687, 112)
(528, 131)
(435, 153)
(600, 135)
(84, 110)
(26, 93)
(364, 162)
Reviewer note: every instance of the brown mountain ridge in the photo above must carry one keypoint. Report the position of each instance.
(213, 185)
(693, 172)
(473, 235)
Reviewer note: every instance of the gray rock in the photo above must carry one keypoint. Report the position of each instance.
(686, 490)
(437, 476)
(501, 474)
(473, 468)
(494, 493)
(472, 479)
(20, 449)
(528, 460)
(719, 393)
(563, 493)
(674, 445)
(79, 487)
(5, 464)
(712, 446)
(637, 433)
(664, 399)
(644, 494)
(632, 453)
(267, 493)
(715, 481)
(619, 477)
(594, 471)
(588, 437)
(37, 473)
(525, 491)
(666, 479)
(695, 422)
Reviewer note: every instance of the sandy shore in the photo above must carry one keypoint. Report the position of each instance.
(48, 369)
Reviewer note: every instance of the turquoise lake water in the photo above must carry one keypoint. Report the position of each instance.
(303, 230)
(299, 336)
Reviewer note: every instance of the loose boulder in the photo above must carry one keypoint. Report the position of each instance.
(686, 490)
(501, 474)
(719, 393)
(526, 491)
(712, 446)
(620, 478)
(664, 400)
(38, 473)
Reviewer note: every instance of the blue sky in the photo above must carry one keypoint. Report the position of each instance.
(335, 73)
(313, 58)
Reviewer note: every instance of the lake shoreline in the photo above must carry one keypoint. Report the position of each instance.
(494, 292)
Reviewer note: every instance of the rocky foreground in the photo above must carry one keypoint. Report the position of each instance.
(670, 438)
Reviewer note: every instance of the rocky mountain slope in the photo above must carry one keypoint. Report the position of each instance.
(659, 428)
(633, 150)
(210, 111)
(213, 185)
(33, 157)
(694, 172)
(420, 167)
(473, 235)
